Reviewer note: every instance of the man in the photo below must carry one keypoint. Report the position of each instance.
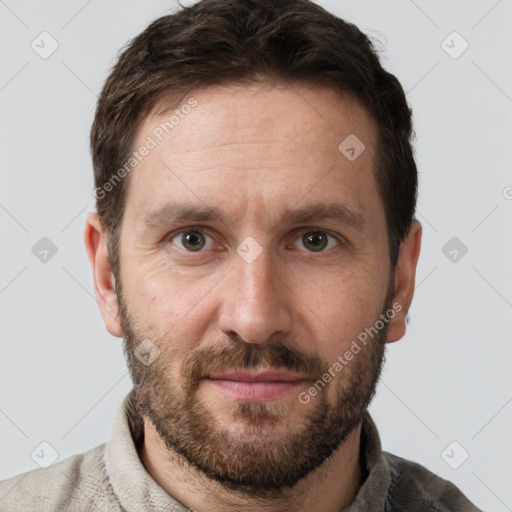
(254, 244)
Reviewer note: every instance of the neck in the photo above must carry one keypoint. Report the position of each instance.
(329, 488)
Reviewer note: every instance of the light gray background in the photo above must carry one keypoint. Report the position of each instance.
(62, 376)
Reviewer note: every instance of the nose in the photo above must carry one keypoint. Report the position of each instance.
(256, 301)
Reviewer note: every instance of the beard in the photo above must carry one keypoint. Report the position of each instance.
(268, 454)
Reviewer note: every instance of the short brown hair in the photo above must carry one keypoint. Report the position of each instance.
(237, 41)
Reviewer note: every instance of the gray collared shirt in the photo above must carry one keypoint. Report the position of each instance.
(111, 478)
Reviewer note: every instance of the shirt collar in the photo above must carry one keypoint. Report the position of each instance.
(136, 490)
(372, 494)
(134, 487)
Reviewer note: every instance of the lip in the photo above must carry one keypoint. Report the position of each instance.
(256, 386)
(257, 376)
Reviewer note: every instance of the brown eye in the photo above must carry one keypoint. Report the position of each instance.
(192, 241)
(316, 241)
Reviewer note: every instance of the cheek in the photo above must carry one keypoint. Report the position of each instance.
(152, 285)
(170, 305)
(345, 308)
(347, 302)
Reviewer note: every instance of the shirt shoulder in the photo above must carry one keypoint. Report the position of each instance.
(78, 483)
(414, 487)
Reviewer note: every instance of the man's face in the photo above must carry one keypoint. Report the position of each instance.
(271, 285)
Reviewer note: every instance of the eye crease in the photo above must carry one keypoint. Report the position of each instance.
(317, 240)
(193, 240)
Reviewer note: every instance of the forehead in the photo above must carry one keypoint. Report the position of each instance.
(260, 145)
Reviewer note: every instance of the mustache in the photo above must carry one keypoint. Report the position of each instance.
(203, 362)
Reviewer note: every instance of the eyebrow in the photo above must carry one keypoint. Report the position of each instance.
(176, 213)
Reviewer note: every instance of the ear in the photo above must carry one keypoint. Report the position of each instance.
(104, 281)
(405, 273)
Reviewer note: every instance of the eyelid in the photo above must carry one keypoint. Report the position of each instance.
(339, 239)
(202, 229)
(296, 234)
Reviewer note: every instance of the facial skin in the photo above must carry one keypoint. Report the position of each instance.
(254, 154)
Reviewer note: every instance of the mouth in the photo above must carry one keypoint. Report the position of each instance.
(256, 386)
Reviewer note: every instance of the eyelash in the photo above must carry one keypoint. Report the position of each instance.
(338, 238)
